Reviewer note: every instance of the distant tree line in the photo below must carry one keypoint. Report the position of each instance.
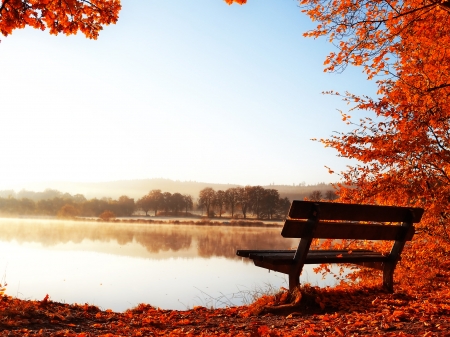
(317, 195)
(165, 202)
(66, 205)
(236, 202)
(262, 203)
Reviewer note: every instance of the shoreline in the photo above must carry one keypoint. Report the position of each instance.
(157, 220)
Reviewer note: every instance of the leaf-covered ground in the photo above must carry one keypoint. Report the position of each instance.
(355, 311)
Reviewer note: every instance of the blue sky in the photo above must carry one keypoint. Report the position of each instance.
(184, 90)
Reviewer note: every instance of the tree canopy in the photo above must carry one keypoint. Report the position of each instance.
(67, 17)
(402, 144)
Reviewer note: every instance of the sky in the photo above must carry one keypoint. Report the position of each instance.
(182, 90)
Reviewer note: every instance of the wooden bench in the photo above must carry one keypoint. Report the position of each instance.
(326, 220)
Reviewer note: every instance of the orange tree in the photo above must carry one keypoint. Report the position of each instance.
(403, 152)
(404, 149)
(68, 17)
(402, 146)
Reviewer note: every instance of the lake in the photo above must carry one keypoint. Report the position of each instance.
(117, 266)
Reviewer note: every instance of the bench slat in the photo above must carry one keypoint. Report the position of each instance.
(319, 256)
(246, 253)
(354, 212)
(343, 230)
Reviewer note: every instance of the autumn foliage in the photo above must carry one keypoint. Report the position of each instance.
(240, 2)
(402, 143)
(67, 17)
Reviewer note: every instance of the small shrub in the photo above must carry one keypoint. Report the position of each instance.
(107, 216)
(67, 212)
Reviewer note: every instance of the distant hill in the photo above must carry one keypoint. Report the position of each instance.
(138, 188)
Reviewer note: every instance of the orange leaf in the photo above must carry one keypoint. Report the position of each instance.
(339, 331)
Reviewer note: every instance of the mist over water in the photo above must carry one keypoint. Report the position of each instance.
(117, 266)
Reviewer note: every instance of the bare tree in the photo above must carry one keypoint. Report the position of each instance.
(125, 205)
(284, 205)
(206, 199)
(144, 204)
(315, 195)
(219, 202)
(167, 202)
(188, 203)
(231, 199)
(157, 200)
(270, 203)
(256, 196)
(244, 199)
(176, 202)
(330, 195)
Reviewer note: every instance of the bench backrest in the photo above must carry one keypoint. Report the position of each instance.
(318, 220)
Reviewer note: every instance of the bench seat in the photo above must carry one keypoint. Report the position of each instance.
(314, 256)
(283, 260)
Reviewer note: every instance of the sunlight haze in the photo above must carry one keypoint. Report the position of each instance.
(180, 90)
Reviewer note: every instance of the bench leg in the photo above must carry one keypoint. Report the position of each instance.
(388, 276)
(294, 281)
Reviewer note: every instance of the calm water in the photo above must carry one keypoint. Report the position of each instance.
(117, 266)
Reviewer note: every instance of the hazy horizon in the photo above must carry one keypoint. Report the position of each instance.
(42, 185)
(137, 188)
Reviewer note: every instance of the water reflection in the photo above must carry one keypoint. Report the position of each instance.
(117, 266)
(205, 241)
